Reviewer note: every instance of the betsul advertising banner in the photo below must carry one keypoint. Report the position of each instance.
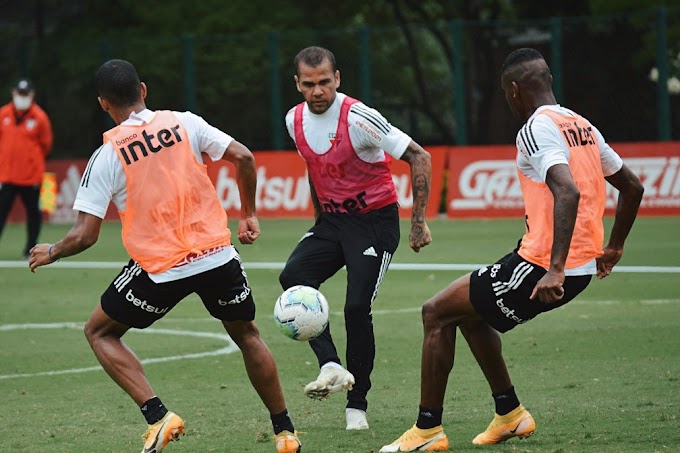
(282, 187)
(483, 180)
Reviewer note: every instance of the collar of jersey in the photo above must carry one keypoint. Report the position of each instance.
(555, 107)
(137, 119)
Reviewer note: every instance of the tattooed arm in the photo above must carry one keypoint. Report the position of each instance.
(421, 176)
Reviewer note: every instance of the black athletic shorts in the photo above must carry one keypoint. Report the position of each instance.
(136, 301)
(500, 292)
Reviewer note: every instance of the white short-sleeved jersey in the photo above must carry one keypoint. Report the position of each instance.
(370, 133)
(540, 146)
(104, 181)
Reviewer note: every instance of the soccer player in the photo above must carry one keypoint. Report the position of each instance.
(175, 231)
(347, 147)
(562, 163)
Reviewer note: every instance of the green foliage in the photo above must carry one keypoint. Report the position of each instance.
(222, 52)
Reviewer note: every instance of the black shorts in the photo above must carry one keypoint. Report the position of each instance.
(136, 301)
(500, 292)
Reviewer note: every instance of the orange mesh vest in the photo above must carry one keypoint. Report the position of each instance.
(586, 170)
(172, 208)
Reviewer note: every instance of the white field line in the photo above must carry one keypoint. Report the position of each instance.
(221, 336)
(272, 265)
(417, 309)
(231, 347)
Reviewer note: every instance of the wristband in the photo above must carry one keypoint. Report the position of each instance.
(49, 253)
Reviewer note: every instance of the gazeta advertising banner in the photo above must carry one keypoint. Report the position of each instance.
(483, 181)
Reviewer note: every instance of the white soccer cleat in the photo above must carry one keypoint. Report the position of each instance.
(332, 379)
(356, 419)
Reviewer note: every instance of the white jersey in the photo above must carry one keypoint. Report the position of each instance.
(104, 181)
(540, 146)
(370, 133)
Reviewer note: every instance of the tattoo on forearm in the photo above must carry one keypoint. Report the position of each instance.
(421, 193)
(421, 176)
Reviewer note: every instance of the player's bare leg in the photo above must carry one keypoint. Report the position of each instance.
(104, 335)
(511, 418)
(441, 315)
(264, 377)
(485, 343)
(259, 362)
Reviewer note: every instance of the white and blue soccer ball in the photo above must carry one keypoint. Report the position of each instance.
(301, 313)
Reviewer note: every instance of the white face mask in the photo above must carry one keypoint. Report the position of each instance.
(22, 102)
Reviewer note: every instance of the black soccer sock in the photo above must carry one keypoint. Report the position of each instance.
(506, 401)
(282, 422)
(153, 410)
(429, 418)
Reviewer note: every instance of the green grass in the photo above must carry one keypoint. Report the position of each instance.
(601, 374)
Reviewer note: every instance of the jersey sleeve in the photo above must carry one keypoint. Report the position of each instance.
(611, 161)
(373, 132)
(96, 188)
(209, 139)
(540, 146)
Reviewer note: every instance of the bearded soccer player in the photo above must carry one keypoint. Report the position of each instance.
(347, 147)
(175, 230)
(562, 164)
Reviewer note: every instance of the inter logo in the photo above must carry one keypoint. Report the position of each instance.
(351, 205)
(578, 136)
(136, 149)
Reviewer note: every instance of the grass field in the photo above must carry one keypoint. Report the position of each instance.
(599, 375)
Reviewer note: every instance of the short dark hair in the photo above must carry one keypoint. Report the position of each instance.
(520, 56)
(117, 82)
(314, 56)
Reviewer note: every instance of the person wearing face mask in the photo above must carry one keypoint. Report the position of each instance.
(25, 142)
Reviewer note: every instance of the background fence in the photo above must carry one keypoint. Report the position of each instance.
(437, 81)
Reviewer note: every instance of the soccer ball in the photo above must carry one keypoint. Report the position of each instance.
(301, 313)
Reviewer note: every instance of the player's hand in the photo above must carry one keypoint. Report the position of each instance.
(607, 260)
(248, 230)
(549, 288)
(39, 256)
(419, 236)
